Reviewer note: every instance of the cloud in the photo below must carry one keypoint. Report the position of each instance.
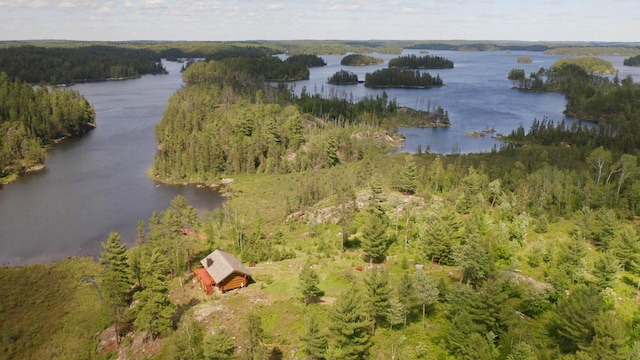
(274, 7)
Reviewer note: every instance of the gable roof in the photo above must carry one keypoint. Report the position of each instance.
(220, 265)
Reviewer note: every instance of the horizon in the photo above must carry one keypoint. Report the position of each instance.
(266, 20)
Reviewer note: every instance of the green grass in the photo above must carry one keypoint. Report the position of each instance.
(48, 312)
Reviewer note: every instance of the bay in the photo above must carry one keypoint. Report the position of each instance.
(96, 183)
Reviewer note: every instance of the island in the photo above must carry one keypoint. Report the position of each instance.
(307, 60)
(401, 78)
(343, 77)
(420, 62)
(588, 63)
(360, 60)
(524, 60)
(632, 61)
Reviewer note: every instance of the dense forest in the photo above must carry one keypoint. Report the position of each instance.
(589, 64)
(32, 118)
(360, 60)
(395, 77)
(71, 65)
(421, 62)
(632, 61)
(307, 60)
(343, 77)
(525, 252)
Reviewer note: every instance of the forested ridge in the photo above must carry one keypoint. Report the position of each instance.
(55, 66)
(526, 252)
(421, 62)
(32, 118)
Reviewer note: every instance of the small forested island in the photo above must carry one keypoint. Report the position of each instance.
(307, 60)
(343, 77)
(524, 60)
(589, 64)
(395, 77)
(267, 68)
(32, 118)
(360, 60)
(632, 61)
(69, 65)
(421, 62)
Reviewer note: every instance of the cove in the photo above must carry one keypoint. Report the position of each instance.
(96, 183)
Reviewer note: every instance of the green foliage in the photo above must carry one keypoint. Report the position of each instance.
(632, 61)
(524, 60)
(378, 294)
(350, 325)
(218, 346)
(360, 60)
(516, 74)
(421, 62)
(407, 177)
(401, 78)
(307, 60)
(314, 339)
(51, 65)
(31, 118)
(254, 338)
(115, 284)
(574, 318)
(154, 309)
(343, 77)
(309, 281)
(375, 241)
(588, 64)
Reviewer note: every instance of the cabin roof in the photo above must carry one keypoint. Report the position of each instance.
(220, 265)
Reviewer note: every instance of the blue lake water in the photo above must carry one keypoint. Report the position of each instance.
(97, 183)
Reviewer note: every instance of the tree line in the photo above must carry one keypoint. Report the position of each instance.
(421, 62)
(394, 77)
(31, 118)
(54, 66)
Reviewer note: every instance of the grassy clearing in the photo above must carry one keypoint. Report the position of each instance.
(50, 311)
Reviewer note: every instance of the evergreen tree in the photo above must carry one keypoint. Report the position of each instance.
(609, 341)
(407, 177)
(606, 269)
(627, 248)
(154, 309)
(407, 294)
(254, 347)
(574, 318)
(427, 291)
(186, 343)
(378, 293)
(309, 281)
(218, 346)
(396, 313)
(474, 261)
(522, 351)
(115, 283)
(313, 339)
(350, 325)
(374, 236)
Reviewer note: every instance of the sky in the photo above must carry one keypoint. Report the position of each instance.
(228, 20)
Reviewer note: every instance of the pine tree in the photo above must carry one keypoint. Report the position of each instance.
(427, 290)
(609, 341)
(115, 283)
(407, 295)
(313, 339)
(309, 281)
(154, 309)
(378, 293)
(254, 334)
(218, 346)
(407, 178)
(350, 325)
(575, 316)
(396, 313)
(606, 269)
(374, 236)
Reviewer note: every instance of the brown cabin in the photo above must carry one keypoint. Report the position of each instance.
(223, 271)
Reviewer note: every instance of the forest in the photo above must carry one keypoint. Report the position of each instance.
(343, 77)
(394, 77)
(55, 66)
(33, 118)
(360, 60)
(531, 251)
(632, 61)
(421, 62)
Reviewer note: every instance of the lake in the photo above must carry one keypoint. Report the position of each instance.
(98, 183)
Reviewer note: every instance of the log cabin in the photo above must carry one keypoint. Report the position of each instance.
(223, 271)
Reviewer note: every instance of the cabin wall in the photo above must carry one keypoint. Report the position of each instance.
(233, 282)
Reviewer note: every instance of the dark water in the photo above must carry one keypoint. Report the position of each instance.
(477, 95)
(96, 183)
